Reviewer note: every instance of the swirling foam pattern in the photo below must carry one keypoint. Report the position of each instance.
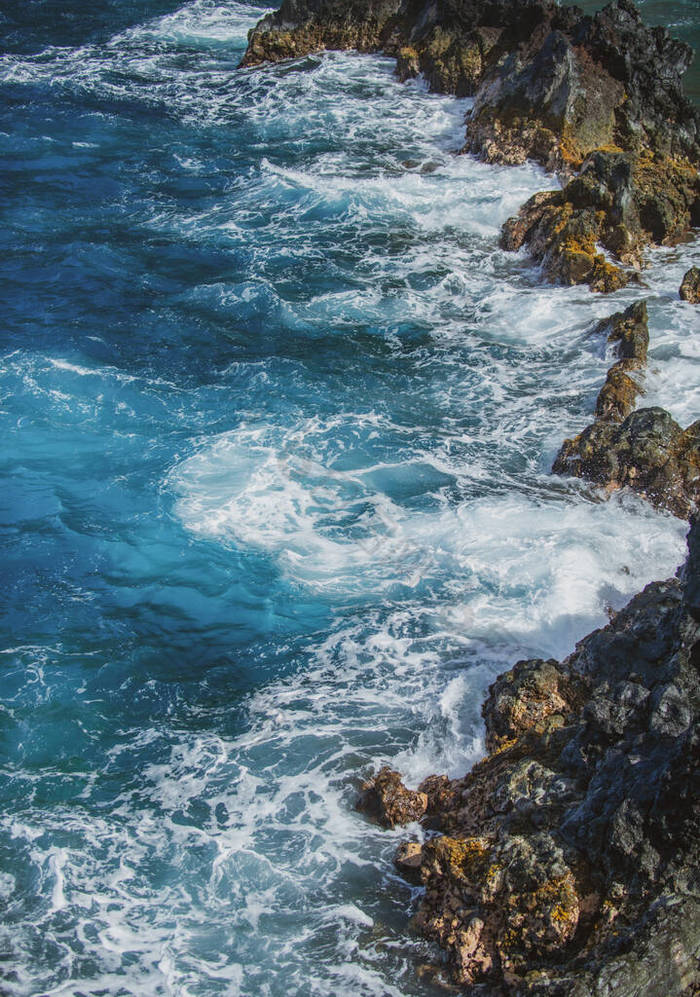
(277, 418)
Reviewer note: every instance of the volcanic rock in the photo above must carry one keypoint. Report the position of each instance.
(619, 201)
(568, 863)
(601, 95)
(385, 799)
(690, 286)
(649, 452)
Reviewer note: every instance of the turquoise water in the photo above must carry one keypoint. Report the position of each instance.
(277, 418)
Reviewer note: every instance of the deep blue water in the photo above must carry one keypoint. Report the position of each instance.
(277, 417)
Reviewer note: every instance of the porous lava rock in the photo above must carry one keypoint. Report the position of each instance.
(690, 286)
(567, 862)
(385, 799)
(648, 452)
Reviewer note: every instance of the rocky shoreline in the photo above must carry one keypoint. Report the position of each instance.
(566, 861)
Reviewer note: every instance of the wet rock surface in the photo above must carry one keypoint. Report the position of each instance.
(619, 201)
(645, 450)
(649, 453)
(567, 862)
(690, 286)
(628, 334)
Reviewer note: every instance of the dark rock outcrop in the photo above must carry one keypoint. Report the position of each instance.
(620, 201)
(386, 800)
(649, 452)
(645, 450)
(549, 83)
(568, 859)
(628, 333)
(690, 286)
(303, 26)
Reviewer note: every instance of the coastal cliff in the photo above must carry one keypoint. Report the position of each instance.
(597, 99)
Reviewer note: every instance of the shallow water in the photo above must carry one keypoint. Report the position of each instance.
(278, 417)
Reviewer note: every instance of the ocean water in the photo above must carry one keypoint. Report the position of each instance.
(277, 419)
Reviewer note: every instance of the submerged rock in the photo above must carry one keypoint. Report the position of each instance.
(690, 286)
(568, 862)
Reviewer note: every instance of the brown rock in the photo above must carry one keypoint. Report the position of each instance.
(522, 698)
(385, 799)
(629, 333)
(499, 903)
(690, 286)
(407, 64)
(621, 201)
(568, 866)
(408, 859)
(618, 396)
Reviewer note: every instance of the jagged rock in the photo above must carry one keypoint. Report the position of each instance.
(524, 697)
(569, 859)
(303, 26)
(572, 84)
(621, 201)
(385, 799)
(407, 63)
(644, 450)
(550, 83)
(618, 396)
(648, 452)
(408, 859)
(602, 93)
(690, 286)
(628, 333)
(691, 576)
(501, 902)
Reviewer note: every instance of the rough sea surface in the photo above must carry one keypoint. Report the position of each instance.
(277, 419)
